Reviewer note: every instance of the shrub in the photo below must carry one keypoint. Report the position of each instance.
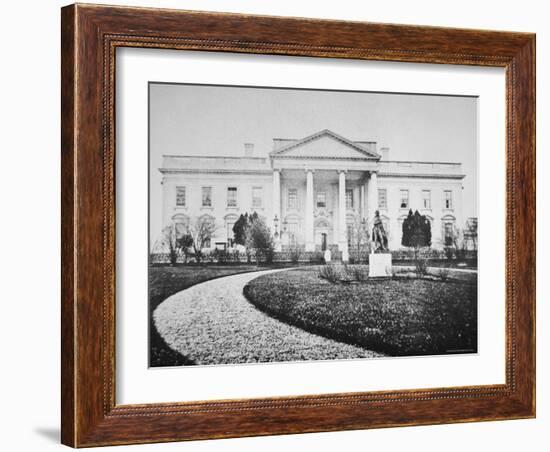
(330, 273)
(258, 238)
(220, 256)
(265, 255)
(416, 231)
(399, 273)
(421, 266)
(461, 252)
(444, 274)
(357, 272)
(235, 256)
(173, 255)
(449, 253)
(346, 269)
(316, 258)
(240, 227)
(185, 244)
(294, 255)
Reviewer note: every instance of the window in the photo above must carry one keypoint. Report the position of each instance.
(427, 199)
(207, 196)
(448, 199)
(321, 201)
(230, 233)
(350, 234)
(403, 199)
(382, 199)
(180, 196)
(448, 234)
(231, 196)
(181, 225)
(349, 198)
(293, 234)
(180, 229)
(292, 198)
(257, 193)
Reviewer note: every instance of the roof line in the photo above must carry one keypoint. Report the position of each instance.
(423, 162)
(215, 156)
(214, 171)
(316, 135)
(422, 175)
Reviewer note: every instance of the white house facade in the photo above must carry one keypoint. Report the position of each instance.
(313, 192)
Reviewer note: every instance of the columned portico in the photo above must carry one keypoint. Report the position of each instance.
(310, 243)
(314, 193)
(342, 239)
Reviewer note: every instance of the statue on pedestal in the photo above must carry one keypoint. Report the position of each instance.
(379, 236)
(380, 258)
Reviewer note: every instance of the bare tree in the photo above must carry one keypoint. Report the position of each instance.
(470, 233)
(167, 242)
(201, 230)
(360, 237)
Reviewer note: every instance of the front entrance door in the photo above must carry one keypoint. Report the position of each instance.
(323, 241)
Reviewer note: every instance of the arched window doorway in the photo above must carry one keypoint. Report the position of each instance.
(291, 231)
(181, 224)
(448, 230)
(230, 220)
(321, 230)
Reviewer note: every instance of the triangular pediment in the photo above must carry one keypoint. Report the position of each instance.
(325, 144)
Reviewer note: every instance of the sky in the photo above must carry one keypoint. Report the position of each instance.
(218, 120)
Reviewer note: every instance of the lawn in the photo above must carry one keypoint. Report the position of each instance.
(165, 281)
(396, 316)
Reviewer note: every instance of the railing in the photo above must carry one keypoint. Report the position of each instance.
(299, 256)
(420, 167)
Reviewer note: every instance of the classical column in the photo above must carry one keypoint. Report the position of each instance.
(310, 244)
(277, 221)
(365, 200)
(372, 200)
(342, 230)
(362, 212)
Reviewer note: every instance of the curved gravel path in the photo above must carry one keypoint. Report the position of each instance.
(213, 323)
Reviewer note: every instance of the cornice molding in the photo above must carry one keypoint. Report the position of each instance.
(270, 172)
(322, 157)
(423, 176)
(214, 171)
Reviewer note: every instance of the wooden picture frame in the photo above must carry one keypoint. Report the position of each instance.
(90, 35)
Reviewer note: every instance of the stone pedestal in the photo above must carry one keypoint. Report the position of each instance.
(327, 256)
(380, 265)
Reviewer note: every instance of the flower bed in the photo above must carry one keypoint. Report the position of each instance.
(397, 316)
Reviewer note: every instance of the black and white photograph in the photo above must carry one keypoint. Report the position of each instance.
(236, 225)
(294, 224)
